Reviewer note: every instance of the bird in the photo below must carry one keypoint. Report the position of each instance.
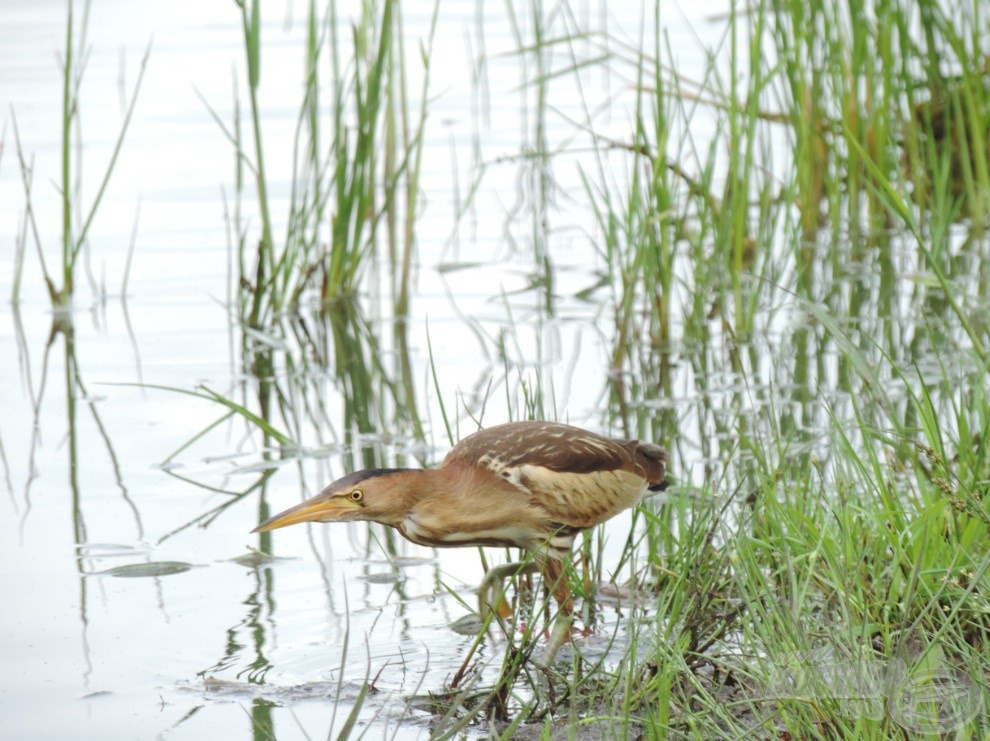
(526, 484)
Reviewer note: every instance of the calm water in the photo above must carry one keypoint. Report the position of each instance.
(228, 647)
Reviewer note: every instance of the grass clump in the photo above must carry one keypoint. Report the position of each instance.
(797, 322)
(353, 186)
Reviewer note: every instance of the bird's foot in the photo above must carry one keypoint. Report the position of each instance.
(582, 632)
(563, 630)
(573, 632)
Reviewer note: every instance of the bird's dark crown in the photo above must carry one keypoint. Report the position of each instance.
(368, 473)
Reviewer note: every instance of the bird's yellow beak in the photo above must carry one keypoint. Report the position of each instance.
(320, 508)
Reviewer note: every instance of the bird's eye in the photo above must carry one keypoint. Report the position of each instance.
(356, 496)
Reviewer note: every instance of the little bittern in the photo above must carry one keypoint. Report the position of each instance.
(531, 485)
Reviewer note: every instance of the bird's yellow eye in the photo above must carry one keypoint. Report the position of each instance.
(356, 496)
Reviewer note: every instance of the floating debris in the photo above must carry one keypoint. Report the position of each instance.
(98, 693)
(384, 577)
(469, 625)
(108, 550)
(138, 570)
(255, 558)
(219, 688)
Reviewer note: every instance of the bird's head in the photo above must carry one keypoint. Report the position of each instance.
(374, 494)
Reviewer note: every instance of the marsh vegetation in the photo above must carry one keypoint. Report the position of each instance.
(756, 237)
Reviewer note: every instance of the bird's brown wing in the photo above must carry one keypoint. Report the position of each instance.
(558, 447)
(578, 477)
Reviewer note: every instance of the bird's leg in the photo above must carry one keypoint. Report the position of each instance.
(558, 637)
(556, 578)
(488, 598)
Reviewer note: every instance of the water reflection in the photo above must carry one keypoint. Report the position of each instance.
(62, 328)
(85, 555)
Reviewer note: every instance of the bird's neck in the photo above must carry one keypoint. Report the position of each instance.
(409, 486)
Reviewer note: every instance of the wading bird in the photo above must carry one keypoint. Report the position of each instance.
(530, 485)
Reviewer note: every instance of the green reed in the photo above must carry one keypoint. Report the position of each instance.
(866, 91)
(826, 318)
(76, 219)
(353, 178)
